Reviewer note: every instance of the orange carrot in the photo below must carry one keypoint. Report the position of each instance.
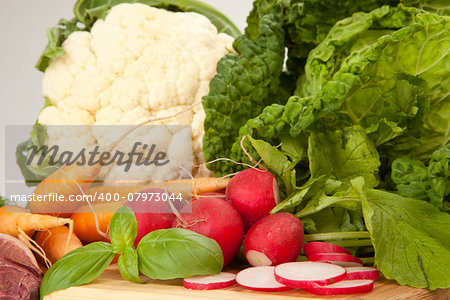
(66, 181)
(14, 220)
(54, 242)
(209, 184)
(84, 222)
(199, 186)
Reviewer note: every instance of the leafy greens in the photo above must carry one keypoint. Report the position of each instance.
(363, 142)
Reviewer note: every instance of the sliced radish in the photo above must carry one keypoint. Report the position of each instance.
(210, 282)
(322, 247)
(356, 273)
(260, 279)
(341, 259)
(307, 274)
(345, 287)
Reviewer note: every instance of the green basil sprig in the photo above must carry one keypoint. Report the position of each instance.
(78, 267)
(123, 228)
(177, 253)
(128, 265)
(162, 254)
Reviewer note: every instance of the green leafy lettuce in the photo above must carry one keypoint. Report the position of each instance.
(308, 23)
(363, 143)
(430, 182)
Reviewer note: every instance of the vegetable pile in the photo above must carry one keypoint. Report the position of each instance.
(356, 129)
(345, 137)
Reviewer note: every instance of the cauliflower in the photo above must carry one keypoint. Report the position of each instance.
(138, 64)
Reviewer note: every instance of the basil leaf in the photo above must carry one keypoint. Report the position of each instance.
(128, 265)
(178, 253)
(78, 267)
(123, 228)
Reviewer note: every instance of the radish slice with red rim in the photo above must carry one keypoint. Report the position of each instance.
(345, 287)
(322, 247)
(210, 282)
(341, 259)
(307, 274)
(260, 279)
(356, 273)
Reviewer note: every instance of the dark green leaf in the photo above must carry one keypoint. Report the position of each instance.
(414, 179)
(243, 83)
(333, 219)
(178, 253)
(308, 23)
(276, 161)
(78, 267)
(123, 229)
(346, 197)
(128, 265)
(301, 194)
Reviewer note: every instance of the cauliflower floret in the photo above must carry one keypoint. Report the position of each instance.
(141, 63)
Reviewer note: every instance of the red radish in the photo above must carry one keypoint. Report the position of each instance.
(355, 273)
(260, 279)
(307, 274)
(322, 247)
(218, 220)
(273, 240)
(341, 259)
(253, 192)
(150, 214)
(345, 287)
(210, 282)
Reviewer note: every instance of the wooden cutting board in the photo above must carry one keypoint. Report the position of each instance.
(111, 286)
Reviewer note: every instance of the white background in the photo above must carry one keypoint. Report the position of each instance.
(23, 25)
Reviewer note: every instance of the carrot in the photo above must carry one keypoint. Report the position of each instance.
(15, 220)
(66, 181)
(209, 184)
(18, 222)
(84, 222)
(199, 186)
(54, 242)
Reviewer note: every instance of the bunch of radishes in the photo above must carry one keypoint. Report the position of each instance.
(272, 242)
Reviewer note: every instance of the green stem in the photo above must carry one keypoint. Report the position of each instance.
(367, 260)
(336, 236)
(352, 243)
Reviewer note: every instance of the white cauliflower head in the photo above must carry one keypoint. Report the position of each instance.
(141, 63)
